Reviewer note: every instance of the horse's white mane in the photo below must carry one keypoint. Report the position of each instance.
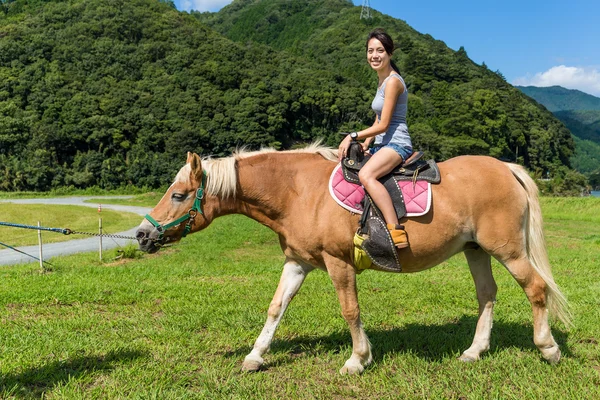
(221, 172)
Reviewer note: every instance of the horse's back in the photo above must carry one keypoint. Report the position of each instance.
(481, 184)
(477, 196)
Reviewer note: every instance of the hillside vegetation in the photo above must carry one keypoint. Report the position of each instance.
(580, 112)
(455, 106)
(108, 93)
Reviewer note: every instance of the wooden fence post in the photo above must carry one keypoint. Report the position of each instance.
(42, 268)
(100, 231)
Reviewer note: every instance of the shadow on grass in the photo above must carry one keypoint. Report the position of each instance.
(34, 381)
(428, 342)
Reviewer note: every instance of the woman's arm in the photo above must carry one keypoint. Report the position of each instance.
(367, 142)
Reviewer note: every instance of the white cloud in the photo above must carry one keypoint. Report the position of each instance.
(202, 5)
(586, 79)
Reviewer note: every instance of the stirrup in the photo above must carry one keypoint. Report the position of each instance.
(398, 235)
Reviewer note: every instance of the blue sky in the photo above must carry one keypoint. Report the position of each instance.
(532, 42)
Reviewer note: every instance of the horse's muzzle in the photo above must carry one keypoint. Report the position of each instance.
(148, 237)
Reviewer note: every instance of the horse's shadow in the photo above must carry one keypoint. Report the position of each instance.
(34, 381)
(434, 342)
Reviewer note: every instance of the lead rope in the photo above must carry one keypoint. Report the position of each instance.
(65, 231)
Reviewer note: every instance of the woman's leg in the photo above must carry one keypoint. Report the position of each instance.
(380, 164)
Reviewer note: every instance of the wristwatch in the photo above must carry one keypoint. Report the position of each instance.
(354, 136)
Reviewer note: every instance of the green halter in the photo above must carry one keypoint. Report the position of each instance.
(190, 216)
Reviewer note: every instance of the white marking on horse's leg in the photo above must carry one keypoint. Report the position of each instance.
(485, 286)
(344, 280)
(535, 288)
(292, 278)
(542, 336)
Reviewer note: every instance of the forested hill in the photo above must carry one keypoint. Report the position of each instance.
(455, 106)
(112, 92)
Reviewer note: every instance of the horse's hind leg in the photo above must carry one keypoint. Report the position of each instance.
(536, 290)
(485, 286)
(292, 278)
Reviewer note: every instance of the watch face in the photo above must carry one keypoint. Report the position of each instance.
(354, 135)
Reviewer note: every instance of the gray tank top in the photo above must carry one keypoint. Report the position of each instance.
(397, 132)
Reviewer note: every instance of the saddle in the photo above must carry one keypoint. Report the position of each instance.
(375, 239)
(412, 169)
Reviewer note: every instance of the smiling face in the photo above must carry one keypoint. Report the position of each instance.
(377, 57)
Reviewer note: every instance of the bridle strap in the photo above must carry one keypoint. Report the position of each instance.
(190, 216)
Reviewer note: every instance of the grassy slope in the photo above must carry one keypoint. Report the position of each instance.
(178, 324)
(76, 218)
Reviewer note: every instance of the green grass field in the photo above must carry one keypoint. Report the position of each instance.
(177, 324)
(76, 218)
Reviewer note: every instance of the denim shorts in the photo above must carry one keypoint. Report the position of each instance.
(404, 152)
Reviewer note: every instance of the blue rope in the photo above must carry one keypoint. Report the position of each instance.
(37, 228)
(22, 252)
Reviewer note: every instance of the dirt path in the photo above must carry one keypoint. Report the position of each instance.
(10, 257)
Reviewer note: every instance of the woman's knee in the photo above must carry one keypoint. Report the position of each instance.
(365, 176)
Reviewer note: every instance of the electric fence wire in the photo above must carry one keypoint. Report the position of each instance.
(22, 252)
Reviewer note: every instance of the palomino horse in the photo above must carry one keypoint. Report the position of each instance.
(482, 207)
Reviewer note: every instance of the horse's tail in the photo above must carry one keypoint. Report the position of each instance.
(536, 246)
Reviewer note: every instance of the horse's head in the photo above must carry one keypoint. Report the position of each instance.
(179, 211)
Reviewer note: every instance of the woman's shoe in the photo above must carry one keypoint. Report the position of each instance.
(398, 235)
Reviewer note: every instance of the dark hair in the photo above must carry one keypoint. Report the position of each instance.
(387, 42)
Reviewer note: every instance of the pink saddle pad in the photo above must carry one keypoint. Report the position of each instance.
(417, 197)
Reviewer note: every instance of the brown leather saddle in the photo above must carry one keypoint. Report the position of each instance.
(414, 168)
(378, 243)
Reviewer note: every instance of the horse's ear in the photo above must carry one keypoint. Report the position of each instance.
(196, 165)
(190, 156)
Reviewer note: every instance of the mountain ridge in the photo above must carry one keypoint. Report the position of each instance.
(557, 98)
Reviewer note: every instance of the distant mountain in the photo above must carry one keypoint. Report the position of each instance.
(580, 112)
(557, 98)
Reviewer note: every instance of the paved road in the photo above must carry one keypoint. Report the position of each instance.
(10, 257)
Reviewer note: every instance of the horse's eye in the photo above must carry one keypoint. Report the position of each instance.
(178, 196)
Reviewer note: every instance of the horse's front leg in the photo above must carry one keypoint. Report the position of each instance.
(292, 278)
(344, 280)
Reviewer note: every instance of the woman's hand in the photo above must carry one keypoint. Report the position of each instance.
(343, 148)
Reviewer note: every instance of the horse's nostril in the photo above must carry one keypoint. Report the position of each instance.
(141, 235)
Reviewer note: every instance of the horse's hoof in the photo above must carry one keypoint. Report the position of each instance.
(467, 358)
(352, 369)
(252, 364)
(554, 358)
